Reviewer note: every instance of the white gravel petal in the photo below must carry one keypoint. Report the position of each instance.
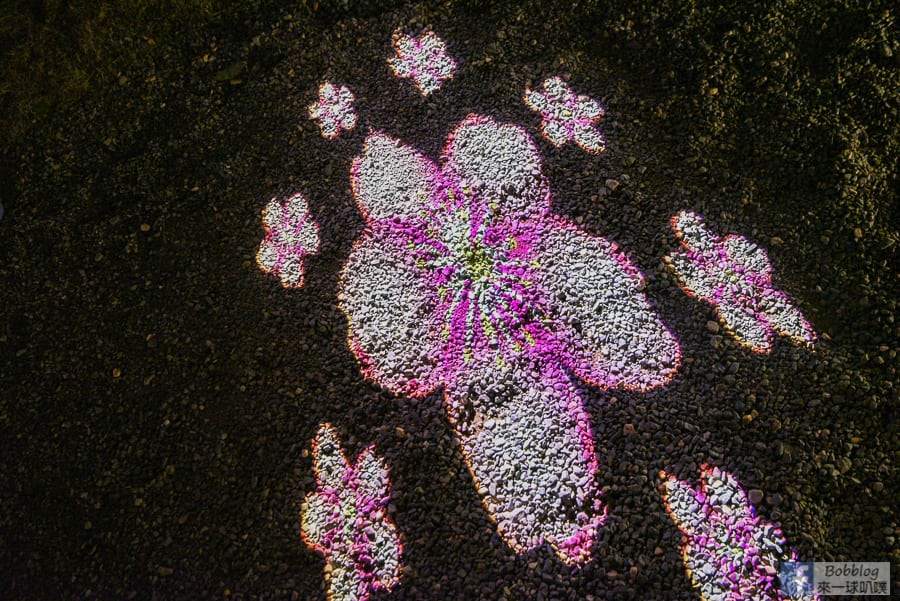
(588, 138)
(315, 520)
(532, 456)
(391, 180)
(692, 276)
(786, 318)
(390, 307)
(617, 339)
(693, 232)
(267, 257)
(748, 255)
(371, 475)
(555, 131)
(504, 160)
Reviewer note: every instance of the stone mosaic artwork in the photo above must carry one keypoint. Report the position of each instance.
(735, 276)
(346, 520)
(729, 552)
(465, 284)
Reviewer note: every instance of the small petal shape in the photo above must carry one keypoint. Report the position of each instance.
(748, 256)
(745, 323)
(694, 280)
(567, 116)
(346, 520)
(315, 521)
(735, 276)
(691, 230)
(785, 318)
(588, 138)
(728, 551)
(372, 474)
(291, 235)
(333, 110)
(423, 59)
(556, 132)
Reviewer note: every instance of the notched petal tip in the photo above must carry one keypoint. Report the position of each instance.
(329, 461)
(690, 228)
(372, 476)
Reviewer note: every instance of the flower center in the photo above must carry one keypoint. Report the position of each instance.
(484, 296)
(478, 263)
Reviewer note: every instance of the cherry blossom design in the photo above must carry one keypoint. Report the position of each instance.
(735, 276)
(291, 234)
(424, 60)
(729, 552)
(346, 520)
(567, 116)
(333, 110)
(464, 280)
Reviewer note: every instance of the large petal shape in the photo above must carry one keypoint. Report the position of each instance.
(390, 304)
(609, 334)
(502, 163)
(528, 444)
(392, 181)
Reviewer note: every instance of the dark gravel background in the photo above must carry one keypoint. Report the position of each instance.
(158, 393)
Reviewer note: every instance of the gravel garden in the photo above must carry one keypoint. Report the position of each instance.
(468, 300)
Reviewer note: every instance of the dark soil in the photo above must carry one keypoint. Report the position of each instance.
(158, 392)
